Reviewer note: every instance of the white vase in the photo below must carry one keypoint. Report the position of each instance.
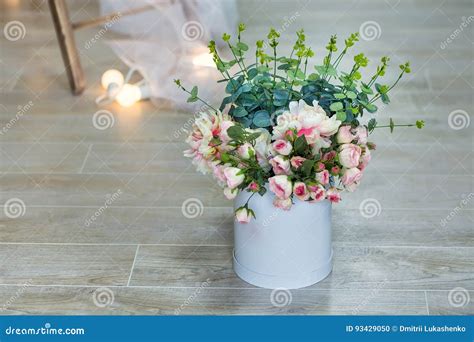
(283, 248)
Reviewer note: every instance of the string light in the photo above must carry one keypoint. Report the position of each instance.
(110, 77)
(128, 95)
(118, 89)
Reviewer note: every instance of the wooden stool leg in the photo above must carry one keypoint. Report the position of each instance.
(67, 44)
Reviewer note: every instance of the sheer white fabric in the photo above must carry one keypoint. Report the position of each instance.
(169, 41)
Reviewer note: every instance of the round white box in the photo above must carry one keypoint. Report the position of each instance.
(283, 248)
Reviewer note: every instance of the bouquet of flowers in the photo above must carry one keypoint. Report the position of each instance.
(282, 129)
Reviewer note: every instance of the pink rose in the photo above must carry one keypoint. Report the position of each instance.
(328, 156)
(335, 170)
(345, 136)
(282, 147)
(254, 187)
(280, 165)
(318, 193)
(218, 171)
(320, 166)
(230, 194)
(232, 177)
(284, 204)
(365, 159)
(225, 125)
(323, 177)
(245, 151)
(351, 176)
(361, 134)
(296, 162)
(280, 186)
(333, 195)
(300, 191)
(349, 155)
(244, 214)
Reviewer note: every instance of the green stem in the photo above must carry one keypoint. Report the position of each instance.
(246, 203)
(327, 64)
(291, 57)
(274, 63)
(204, 102)
(236, 59)
(242, 59)
(386, 126)
(338, 60)
(376, 97)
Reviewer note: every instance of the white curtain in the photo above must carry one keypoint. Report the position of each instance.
(169, 41)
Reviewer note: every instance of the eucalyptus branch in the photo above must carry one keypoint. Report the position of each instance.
(380, 71)
(194, 95)
(405, 69)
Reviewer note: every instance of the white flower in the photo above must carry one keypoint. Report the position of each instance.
(310, 121)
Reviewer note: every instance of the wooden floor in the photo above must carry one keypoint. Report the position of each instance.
(142, 256)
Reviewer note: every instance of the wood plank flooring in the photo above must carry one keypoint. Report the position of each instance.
(102, 229)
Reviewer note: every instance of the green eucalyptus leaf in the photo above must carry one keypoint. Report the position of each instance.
(252, 73)
(340, 96)
(341, 115)
(239, 112)
(262, 119)
(242, 46)
(284, 66)
(371, 125)
(232, 86)
(336, 106)
(385, 99)
(191, 99)
(371, 108)
(351, 95)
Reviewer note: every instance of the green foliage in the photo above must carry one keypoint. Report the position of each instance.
(257, 92)
(420, 124)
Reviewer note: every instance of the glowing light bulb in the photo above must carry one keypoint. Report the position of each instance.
(112, 78)
(204, 59)
(128, 95)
